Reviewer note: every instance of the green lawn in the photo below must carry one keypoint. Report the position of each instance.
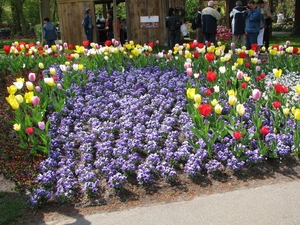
(282, 38)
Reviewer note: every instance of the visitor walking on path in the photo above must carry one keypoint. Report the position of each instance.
(49, 32)
(238, 23)
(210, 16)
(253, 17)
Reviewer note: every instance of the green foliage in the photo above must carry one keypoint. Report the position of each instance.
(10, 209)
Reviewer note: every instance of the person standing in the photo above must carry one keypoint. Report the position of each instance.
(88, 26)
(265, 10)
(198, 21)
(210, 16)
(173, 23)
(49, 32)
(238, 23)
(253, 18)
(109, 26)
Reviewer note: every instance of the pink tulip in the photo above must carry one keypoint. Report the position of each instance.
(195, 42)
(157, 42)
(35, 100)
(38, 88)
(31, 77)
(41, 125)
(65, 45)
(257, 68)
(189, 72)
(232, 45)
(59, 86)
(256, 94)
(187, 65)
(240, 75)
(287, 43)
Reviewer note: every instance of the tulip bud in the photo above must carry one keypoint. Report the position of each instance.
(41, 125)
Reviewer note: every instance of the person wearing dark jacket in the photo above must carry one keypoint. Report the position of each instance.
(238, 23)
(88, 26)
(198, 21)
(173, 23)
(253, 18)
(210, 16)
(49, 32)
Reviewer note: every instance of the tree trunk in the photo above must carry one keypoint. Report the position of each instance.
(297, 17)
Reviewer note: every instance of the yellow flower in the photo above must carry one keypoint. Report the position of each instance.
(52, 71)
(240, 61)
(12, 89)
(196, 105)
(67, 63)
(17, 127)
(286, 111)
(254, 60)
(218, 52)
(297, 88)
(263, 48)
(233, 68)
(214, 102)
(53, 47)
(20, 79)
(232, 100)
(231, 92)
(240, 109)
(131, 42)
(277, 73)
(135, 52)
(49, 81)
(191, 93)
(211, 49)
(75, 55)
(19, 98)
(29, 85)
(297, 114)
(41, 65)
(28, 96)
(80, 66)
(273, 51)
(218, 109)
(188, 55)
(79, 49)
(197, 98)
(289, 49)
(247, 78)
(12, 101)
(251, 52)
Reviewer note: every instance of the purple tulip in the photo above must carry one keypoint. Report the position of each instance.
(41, 125)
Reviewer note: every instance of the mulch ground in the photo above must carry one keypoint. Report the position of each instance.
(269, 172)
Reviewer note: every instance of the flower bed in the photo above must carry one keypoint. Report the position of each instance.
(110, 114)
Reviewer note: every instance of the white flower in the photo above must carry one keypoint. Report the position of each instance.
(216, 88)
(18, 85)
(222, 69)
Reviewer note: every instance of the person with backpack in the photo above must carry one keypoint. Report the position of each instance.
(198, 25)
(238, 23)
(173, 23)
(88, 26)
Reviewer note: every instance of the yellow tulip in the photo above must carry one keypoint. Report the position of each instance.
(13, 101)
(254, 60)
(12, 89)
(49, 81)
(188, 55)
(240, 109)
(214, 102)
(17, 127)
(197, 98)
(191, 93)
(247, 78)
(232, 100)
(251, 52)
(240, 61)
(231, 92)
(41, 65)
(263, 48)
(297, 88)
(19, 98)
(80, 66)
(286, 111)
(52, 71)
(20, 79)
(218, 109)
(273, 51)
(28, 96)
(297, 114)
(196, 105)
(277, 73)
(29, 85)
(67, 63)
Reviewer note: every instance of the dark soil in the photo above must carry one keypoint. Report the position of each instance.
(183, 189)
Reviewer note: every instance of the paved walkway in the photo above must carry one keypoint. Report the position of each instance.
(271, 204)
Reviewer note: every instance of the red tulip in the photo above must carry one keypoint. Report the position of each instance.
(237, 135)
(151, 44)
(205, 109)
(264, 130)
(276, 104)
(242, 55)
(211, 76)
(209, 57)
(107, 43)
(6, 48)
(244, 85)
(86, 43)
(29, 130)
(196, 55)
